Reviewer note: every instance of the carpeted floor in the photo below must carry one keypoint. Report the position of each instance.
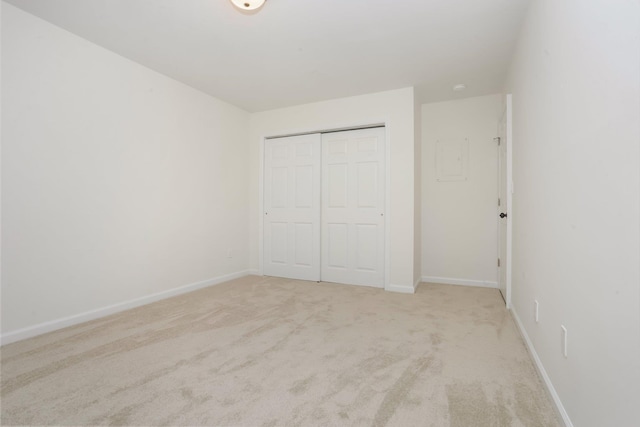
(269, 352)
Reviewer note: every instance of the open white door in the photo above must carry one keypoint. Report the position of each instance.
(292, 207)
(353, 207)
(502, 207)
(504, 203)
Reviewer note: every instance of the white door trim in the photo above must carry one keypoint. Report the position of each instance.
(509, 100)
(330, 127)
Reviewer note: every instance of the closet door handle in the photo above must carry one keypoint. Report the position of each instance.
(503, 215)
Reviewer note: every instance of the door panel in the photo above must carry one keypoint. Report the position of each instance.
(366, 247)
(279, 187)
(502, 207)
(292, 207)
(337, 245)
(367, 184)
(337, 186)
(278, 243)
(304, 186)
(353, 207)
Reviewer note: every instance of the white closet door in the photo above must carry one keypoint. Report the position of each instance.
(292, 207)
(353, 207)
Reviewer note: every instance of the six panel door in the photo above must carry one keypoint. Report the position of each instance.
(353, 181)
(292, 207)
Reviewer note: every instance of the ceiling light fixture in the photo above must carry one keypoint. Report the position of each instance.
(459, 87)
(248, 4)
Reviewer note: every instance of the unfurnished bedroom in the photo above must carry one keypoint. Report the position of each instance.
(320, 213)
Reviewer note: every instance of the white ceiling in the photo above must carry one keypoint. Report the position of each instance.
(298, 51)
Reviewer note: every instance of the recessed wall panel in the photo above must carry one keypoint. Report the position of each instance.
(304, 186)
(279, 152)
(304, 149)
(337, 147)
(337, 245)
(367, 145)
(367, 186)
(279, 242)
(279, 187)
(367, 246)
(337, 185)
(304, 243)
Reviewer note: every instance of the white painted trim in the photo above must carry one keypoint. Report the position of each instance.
(461, 282)
(403, 289)
(263, 140)
(366, 285)
(54, 325)
(543, 373)
(387, 202)
(509, 102)
(254, 272)
(417, 283)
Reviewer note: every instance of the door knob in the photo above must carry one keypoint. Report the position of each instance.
(503, 215)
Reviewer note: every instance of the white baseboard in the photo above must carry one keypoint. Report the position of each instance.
(403, 289)
(254, 272)
(543, 373)
(53, 325)
(461, 282)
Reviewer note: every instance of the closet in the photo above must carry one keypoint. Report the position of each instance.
(324, 207)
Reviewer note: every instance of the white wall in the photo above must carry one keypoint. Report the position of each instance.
(459, 218)
(117, 182)
(575, 81)
(396, 108)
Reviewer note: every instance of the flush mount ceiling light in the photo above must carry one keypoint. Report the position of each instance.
(459, 87)
(248, 4)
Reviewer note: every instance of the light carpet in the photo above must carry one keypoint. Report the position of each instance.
(261, 351)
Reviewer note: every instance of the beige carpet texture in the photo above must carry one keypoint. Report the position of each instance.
(260, 351)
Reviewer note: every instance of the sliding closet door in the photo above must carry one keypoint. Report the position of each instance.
(353, 207)
(292, 207)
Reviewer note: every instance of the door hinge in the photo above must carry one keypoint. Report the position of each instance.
(498, 262)
(497, 138)
(498, 201)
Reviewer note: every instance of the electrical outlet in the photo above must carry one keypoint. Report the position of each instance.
(536, 307)
(229, 253)
(563, 342)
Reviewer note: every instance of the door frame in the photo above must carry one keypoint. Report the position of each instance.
(508, 113)
(384, 122)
